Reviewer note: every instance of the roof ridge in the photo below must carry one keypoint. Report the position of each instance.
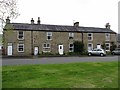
(47, 27)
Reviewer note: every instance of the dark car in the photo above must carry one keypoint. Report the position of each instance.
(116, 51)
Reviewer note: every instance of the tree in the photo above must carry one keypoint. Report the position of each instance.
(112, 46)
(103, 46)
(8, 8)
(78, 47)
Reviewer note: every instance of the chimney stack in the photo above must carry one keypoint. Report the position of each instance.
(76, 24)
(107, 26)
(38, 22)
(7, 20)
(32, 21)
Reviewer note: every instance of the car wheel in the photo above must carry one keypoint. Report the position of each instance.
(101, 54)
(89, 54)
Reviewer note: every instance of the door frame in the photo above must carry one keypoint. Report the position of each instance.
(60, 52)
(37, 50)
(11, 51)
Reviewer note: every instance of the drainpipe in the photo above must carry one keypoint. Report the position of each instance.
(31, 42)
(82, 37)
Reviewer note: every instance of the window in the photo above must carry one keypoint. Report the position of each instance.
(71, 35)
(46, 47)
(90, 36)
(90, 46)
(107, 36)
(99, 50)
(20, 35)
(107, 46)
(20, 47)
(49, 35)
(71, 47)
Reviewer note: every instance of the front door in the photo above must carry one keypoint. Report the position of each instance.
(35, 50)
(9, 49)
(60, 49)
(98, 46)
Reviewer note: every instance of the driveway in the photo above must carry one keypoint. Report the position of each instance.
(54, 60)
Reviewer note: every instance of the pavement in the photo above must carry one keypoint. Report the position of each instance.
(56, 60)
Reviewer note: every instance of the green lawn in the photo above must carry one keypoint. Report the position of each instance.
(72, 75)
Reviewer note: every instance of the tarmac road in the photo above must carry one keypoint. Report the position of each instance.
(54, 60)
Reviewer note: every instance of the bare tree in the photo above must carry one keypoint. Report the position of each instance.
(8, 8)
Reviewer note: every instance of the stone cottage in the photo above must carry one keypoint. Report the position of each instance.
(23, 39)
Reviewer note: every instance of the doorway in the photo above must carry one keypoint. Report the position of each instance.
(9, 49)
(36, 50)
(60, 49)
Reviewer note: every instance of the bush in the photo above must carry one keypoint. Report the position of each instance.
(78, 47)
(73, 53)
(113, 46)
(46, 53)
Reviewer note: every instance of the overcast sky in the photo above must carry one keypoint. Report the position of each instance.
(89, 13)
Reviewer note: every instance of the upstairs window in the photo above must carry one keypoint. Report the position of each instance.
(20, 35)
(20, 47)
(71, 35)
(71, 47)
(49, 35)
(90, 36)
(107, 36)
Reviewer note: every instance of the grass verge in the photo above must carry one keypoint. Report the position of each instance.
(72, 75)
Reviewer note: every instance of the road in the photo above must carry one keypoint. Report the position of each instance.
(54, 60)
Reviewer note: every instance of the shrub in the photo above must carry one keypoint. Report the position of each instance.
(113, 46)
(78, 47)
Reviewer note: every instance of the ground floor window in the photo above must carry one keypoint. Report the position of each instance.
(20, 48)
(46, 47)
(90, 46)
(107, 46)
(71, 47)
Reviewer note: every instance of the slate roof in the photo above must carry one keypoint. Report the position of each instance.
(58, 28)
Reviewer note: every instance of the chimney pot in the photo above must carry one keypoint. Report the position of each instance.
(76, 24)
(107, 25)
(32, 21)
(7, 20)
(38, 22)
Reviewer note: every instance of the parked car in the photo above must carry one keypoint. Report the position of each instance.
(116, 51)
(97, 51)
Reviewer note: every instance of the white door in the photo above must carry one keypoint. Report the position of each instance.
(9, 49)
(60, 49)
(98, 46)
(35, 50)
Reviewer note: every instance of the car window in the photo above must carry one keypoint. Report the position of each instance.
(117, 49)
(99, 50)
(94, 50)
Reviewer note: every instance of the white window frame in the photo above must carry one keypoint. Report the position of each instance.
(19, 34)
(91, 44)
(109, 46)
(71, 47)
(107, 36)
(71, 35)
(90, 36)
(18, 47)
(49, 35)
(46, 47)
